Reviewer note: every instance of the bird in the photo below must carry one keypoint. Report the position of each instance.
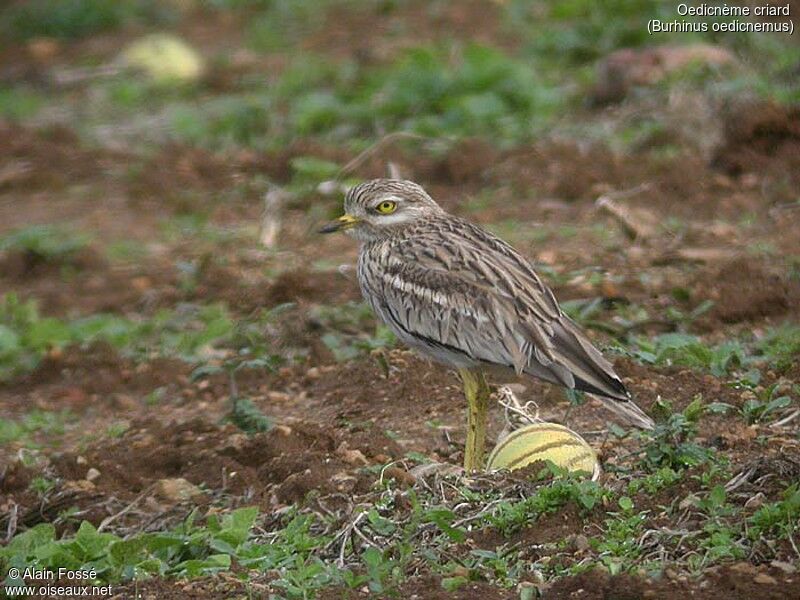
(462, 297)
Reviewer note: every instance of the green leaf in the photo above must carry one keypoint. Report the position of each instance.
(381, 525)
(717, 496)
(625, 503)
(93, 542)
(452, 584)
(694, 410)
(442, 518)
(207, 566)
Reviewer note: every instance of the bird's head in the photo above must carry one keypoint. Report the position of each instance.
(381, 207)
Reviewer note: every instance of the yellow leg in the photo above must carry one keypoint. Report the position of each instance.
(477, 392)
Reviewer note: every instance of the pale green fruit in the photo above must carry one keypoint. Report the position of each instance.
(164, 58)
(543, 441)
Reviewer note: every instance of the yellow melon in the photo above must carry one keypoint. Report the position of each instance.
(543, 441)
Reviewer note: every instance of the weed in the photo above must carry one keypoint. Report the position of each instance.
(482, 91)
(653, 482)
(566, 488)
(118, 429)
(769, 401)
(20, 430)
(670, 444)
(578, 33)
(50, 243)
(19, 103)
(42, 486)
(78, 18)
(778, 518)
(690, 351)
(780, 347)
(619, 544)
(224, 122)
(186, 333)
(281, 22)
(247, 416)
(345, 327)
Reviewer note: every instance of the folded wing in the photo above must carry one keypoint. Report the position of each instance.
(477, 297)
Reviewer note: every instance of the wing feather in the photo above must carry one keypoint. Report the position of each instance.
(472, 293)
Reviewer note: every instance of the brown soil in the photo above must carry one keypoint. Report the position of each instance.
(759, 138)
(743, 291)
(274, 468)
(727, 582)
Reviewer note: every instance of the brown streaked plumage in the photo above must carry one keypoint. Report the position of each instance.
(464, 297)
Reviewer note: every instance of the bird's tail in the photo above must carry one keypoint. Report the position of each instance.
(627, 410)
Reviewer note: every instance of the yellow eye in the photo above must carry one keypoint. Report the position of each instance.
(386, 207)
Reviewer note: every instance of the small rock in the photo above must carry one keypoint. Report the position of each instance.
(236, 442)
(434, 468)
(765, 579)
(43, 49)
(356, 457)
(756, 501)
(81, 460)
(744, 567)
(278, 396)
(79, 485)
(141, 284)
(786, 567)
(176, 490)
(92, 474)
(581, 543)
(313, 373)
(283, 430)
(344, 482)
(400, 475)
(352, 457)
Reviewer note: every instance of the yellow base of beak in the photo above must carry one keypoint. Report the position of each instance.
(341, 224)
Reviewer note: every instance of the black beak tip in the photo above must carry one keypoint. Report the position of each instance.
(329, 228)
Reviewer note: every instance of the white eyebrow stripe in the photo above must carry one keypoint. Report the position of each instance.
(400, 217)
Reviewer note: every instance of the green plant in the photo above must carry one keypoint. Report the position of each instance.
(42, 486)
(508, 517)
(781, 346)
(78, 18)
(47, 423)
(580, 32)
(619, 545)
(690, 351)
(380, 569)
(187, 333)
(224, 122)
(189, 550)
(670, 444)
(653, 482)
(777, 518)
(19, 103)
(346, 330)
(768, 402)
(247, 416)
(50, 243)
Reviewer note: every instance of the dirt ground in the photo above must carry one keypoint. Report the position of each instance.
(334, 418)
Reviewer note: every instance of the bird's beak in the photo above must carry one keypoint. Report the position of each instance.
(343, 223)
